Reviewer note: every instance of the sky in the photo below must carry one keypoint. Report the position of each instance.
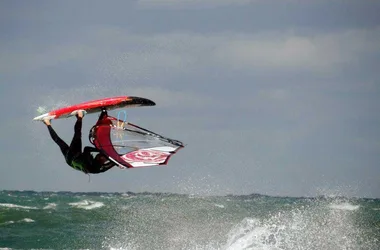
(277, 97)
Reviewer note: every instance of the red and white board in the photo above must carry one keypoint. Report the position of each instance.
(96, 106)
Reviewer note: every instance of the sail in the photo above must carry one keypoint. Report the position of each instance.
(131, 146)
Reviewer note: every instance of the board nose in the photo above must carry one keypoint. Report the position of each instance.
(141, 101)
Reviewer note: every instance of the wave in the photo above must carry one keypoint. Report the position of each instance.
(344, 206)
(50, 206)
(301, 228)
(7, 223)
(170, 221)
(87, 204)
(28, 220)
(10, 205)
(27, 193)
(219, 205)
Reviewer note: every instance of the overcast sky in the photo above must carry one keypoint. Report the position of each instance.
(279, 97)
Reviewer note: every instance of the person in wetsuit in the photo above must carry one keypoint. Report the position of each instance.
(75, 158)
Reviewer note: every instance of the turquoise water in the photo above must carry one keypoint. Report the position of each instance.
(64, 220)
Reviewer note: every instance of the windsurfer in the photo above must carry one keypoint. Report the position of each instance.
(75, 158)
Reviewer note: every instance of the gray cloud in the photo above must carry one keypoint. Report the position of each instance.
(191, 3)
(117, 52)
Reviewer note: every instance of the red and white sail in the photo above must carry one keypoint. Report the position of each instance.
(131, 146)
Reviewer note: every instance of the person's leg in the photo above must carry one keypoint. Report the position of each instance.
(62, 145)
(76, 143)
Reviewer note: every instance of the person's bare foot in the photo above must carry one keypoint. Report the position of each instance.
(47, 122)
(80, 114)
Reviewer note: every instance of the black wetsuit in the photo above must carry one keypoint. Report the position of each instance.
(84, 162)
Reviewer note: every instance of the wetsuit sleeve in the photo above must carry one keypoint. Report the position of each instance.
(88, 150)
(97, 168)
(106, 167)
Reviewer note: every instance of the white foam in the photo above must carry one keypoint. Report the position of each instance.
(88, 205)
(120, 246)
(9, 205)
(247, 235)
(50, 206)
(345, 206)
(7, 222)
(219, 205)
(301, 228)
(123, 248)
(27, 220)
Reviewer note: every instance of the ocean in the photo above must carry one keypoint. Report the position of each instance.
(66, 220)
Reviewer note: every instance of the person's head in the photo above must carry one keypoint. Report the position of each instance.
(100, 158)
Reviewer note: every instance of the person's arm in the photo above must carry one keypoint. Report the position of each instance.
(97, 166)
(106, 167)
(88, 150)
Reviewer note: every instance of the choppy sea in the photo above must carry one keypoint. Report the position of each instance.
(65, 220)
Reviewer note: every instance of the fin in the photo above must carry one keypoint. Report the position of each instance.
(41, 110)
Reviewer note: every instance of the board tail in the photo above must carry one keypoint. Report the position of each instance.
(43, 117)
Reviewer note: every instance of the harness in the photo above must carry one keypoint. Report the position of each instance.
(77, 163)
